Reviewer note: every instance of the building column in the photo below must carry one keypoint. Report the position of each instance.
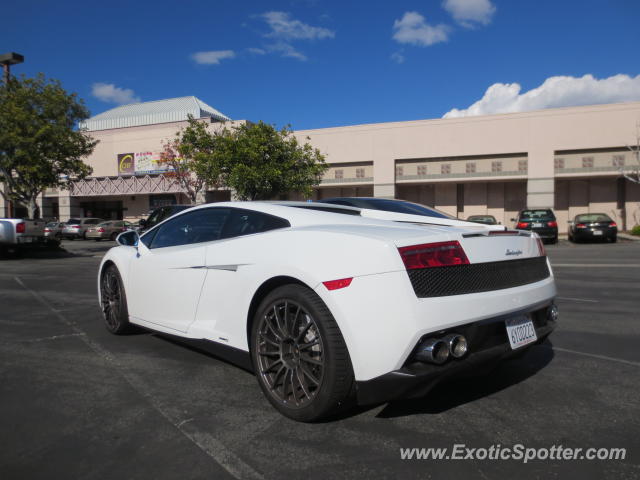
(384, 167)
(541, 181)
(67, 205)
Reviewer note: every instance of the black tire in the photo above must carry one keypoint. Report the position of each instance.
(84, 236)
(613, 239)
(97, 239)
(114, 302)
(308, 346)
(113, 236)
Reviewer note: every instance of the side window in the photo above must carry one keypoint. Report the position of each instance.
(245, 222)
(203, 225)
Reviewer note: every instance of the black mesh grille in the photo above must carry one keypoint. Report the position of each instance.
(477, 277)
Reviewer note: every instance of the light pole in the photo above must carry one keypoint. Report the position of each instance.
(8, 59)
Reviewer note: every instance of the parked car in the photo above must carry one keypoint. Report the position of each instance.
(388, 205)
(158, 215)
(593, 226)
(542, 221)
(484, 219)
(18, 232)
(108, 230)
(53, 230)
(324, 306)
(77, 227)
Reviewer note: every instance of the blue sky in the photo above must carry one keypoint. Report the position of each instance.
(319, 63)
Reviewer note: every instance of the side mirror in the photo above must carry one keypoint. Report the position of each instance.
(128, 239)
(142, 223)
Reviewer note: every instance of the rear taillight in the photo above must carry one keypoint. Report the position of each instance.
(581, 225)
(47, 230)
(21, 227)
(522, 225)
(101, 230)
(75, 226)
(337, 284)
(441, 254)
(613, 224)
(552, 224)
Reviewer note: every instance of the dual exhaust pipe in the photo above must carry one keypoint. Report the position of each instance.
(439, 350)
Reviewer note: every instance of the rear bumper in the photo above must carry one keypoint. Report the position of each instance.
(589, 233)
(487, 348)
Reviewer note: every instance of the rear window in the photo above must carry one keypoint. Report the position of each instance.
(51, 224)
(104, 224)
(74, 221)
(537, 215)
(344, 211)
(92, 221)
(593, 217)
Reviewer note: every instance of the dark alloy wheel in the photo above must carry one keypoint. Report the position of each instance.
(114, 301)
(299, 355)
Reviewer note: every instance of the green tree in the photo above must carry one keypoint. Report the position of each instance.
(190, 157)
(260, 162)
(40, 143)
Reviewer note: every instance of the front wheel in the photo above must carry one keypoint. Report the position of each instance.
(299, 356)
(114, 301)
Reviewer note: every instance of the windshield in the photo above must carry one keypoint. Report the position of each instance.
(593, 217)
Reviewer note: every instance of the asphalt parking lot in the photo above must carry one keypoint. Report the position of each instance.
(77, 402)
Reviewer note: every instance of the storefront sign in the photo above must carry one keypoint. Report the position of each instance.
(125, 164)
(141, 163)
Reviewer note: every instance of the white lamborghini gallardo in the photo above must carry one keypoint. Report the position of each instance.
(329, 304)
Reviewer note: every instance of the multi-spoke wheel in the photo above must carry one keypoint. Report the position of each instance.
(114, 301)
(299, 355)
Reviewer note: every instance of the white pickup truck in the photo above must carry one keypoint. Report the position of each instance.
(17, 232)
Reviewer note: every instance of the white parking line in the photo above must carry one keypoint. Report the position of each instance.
(602, 265)
(578, 299)
(202, 439)
(600, 357)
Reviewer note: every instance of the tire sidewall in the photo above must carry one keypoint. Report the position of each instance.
(123, 320)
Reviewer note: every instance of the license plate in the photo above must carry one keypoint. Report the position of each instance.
(597, 232)
(520, 331)
(536, 225)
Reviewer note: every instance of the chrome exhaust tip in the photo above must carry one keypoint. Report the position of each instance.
(457, 345)
(433, 350)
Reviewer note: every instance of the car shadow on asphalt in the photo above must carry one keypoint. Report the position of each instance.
(453, 393)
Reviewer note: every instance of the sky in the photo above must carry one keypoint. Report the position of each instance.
(316, 64)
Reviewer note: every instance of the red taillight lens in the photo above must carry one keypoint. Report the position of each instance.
(75, 226)
(337, 284)
(613, 224)
(522, 225)
(47, 230)
(101, 230)
(581, 225)
(441, 254)
(21, 227)
(552, 223)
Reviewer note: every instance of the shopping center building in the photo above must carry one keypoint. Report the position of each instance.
(568, 159)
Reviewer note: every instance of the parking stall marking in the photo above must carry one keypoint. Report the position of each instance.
(203, 440)
(571, 299)
(590, 265)
(594, 355)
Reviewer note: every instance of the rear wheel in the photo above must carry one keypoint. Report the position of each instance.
(114, 301)
(299, 356)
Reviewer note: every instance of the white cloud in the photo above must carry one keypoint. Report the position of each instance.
(284, 27)
(558, 91)
(108, 92)
(469, 13)
(413, 29)
(286, 50)
(212, 57)
(397, 57)
(257, 51)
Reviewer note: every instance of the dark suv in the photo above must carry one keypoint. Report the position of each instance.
(542, 221)
(158, 215)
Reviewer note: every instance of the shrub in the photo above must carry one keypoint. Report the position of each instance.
(635, 230)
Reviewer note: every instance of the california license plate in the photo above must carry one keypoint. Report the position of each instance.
(597, 232)
(536, 225)
(520, 331)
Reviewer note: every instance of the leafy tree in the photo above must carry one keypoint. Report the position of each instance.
(40, 144)
(260, 162)
(191, 160)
